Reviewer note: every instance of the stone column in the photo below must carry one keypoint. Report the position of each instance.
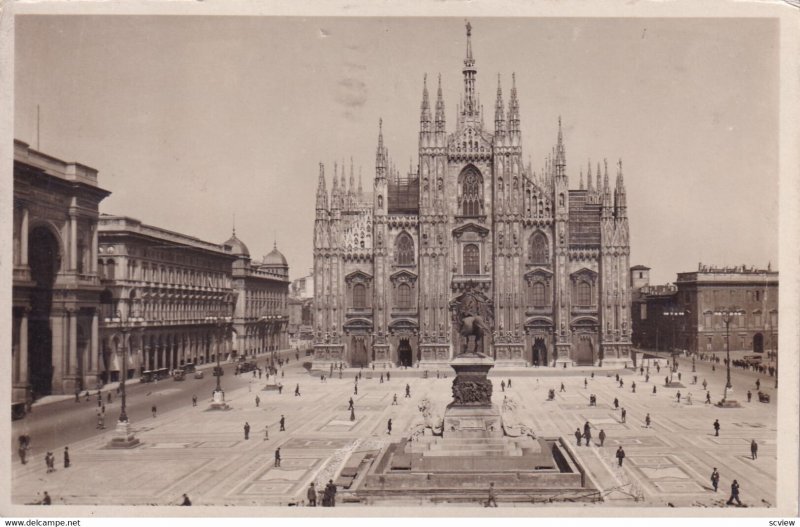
(73, 243)
(93, 265)
(93, 361)
(21, 367)
(72, 368)
(23, 234)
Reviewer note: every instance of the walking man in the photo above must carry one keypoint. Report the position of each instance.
(620, 455)
(311, 494)
(246, 430)
(350, 405)
(66, 455)
(258, 401)
(389, 427)
(186, 501)
(623, 414)
(647, 421)
(355, 389)
(194, 400)
(602, 436)
(381, 378)
(708, 397)
(749, 395)
(578, 436)
(408, 390)
(46, 499)
(587, 433)
(297, 390)
(278, 457)
(616, 403)
(678, 396)
(283, 424)
(394, 400)
(388, 376)
(266, 433)
(585, 383)
(754, 449)
(633, 386)
(705, 384)
(154, 410)
(503, 386)
(508, 383)
(716, 427)
(562, 388)
(492, 501)
(654, 389)
(734, 494)
(715, 479)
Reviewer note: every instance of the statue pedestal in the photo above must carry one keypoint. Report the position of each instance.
(472, 415)
(218, 401)
(123, 436)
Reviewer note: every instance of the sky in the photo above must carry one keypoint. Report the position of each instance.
(194, 120)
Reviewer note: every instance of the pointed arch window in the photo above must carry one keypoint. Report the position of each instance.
(472, 260)
(404, 249)
(538, 295)
(359, 296)
(471, 193)
(538, 251)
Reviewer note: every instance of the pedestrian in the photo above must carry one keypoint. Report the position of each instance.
(46, 499)
(578, 436)
(689, 398)
(623, 414)
(705, 384)
(633, 386)
(280, 388)
(647, 421)
(282, 374)
(716, 427)
(49, 462)
(283, 424)
(749, 395)
(108, 398)
(585, 383)
(388, 376)
(350, 405)
(616, 377)
(297, 390)
(408, 390)
(186, 501)
(503, 386)
(602, 436)
(266, 433)
(734, 494)
(754, 449)
(355, 389)
(621, 383)
(715, 479)
(708, 397)
(246, 430)
(508, 383)
(587, 435)
(620, 455)
(389, 427)
(352, 414)
(394, 400)
(563, 389)
(330, 490)
(758, 384)
(678, 396)
(194, 400)
(278, 457)
(647, 378)
(103, 409)
(679, 376)
(258, 401)
(77, 396)
(153, 409)
(654, 389)
(492, 501)
(616, 403)
(66, 456)
(666, 381)
(311, 493)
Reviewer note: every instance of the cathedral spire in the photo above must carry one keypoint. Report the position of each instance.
(425, 109)
(471, 107)
(440, 121)
(598, 175)
(619, 193)
(499, 118)
(513, 107)
(560, 156)
(360, 188)
(380, 154)
(580, 187)
(352, 178)
(322, 194)
(335, 192)
(589, 176)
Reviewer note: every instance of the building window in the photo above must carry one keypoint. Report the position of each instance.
(773, 319)
(359, 296)
(472, 263)
(757, 319)
(707, 320)
(404, 249)
(404, 296)
(584, 294)
(538, 252)
(758, 296)
(471, 193)
(538, 295)
(643, 311)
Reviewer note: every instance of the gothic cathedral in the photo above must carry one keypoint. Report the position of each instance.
(548, 264)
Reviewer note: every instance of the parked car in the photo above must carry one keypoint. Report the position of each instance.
(178, 375)
(198, 374)
(189, 367)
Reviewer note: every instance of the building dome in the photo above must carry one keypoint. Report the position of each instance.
(237, 246)
(275, 258)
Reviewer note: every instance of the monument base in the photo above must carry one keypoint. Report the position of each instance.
(123, 436)
(472, 422)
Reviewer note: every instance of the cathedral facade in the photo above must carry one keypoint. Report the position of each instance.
(472, 225)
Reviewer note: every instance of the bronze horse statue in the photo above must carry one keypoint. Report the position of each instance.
(473, 326)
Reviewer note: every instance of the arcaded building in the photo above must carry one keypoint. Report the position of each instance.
(548, 264)
(56, 290)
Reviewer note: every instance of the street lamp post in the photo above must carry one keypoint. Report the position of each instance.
(123, 436)
(221, 323)
(672, 313)
(727, 315)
